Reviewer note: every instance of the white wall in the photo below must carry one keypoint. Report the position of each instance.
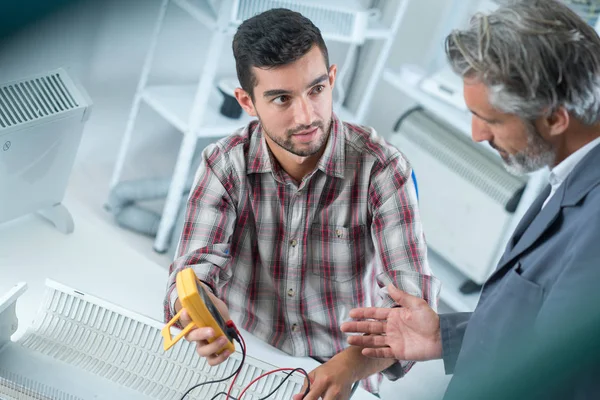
(62, 39)
(104, 44)
(419, 41)
(126, 33)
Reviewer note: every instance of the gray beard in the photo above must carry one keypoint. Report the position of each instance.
(538, 154)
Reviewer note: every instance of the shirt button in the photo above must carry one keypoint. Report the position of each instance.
(293, 242)
(295, 328)
(338, 233)
(291, 292)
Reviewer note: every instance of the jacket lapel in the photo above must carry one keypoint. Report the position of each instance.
(534, 223)
(538, 225)
(532, 226)
(529, 216)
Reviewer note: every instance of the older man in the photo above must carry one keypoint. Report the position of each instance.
(531, 73)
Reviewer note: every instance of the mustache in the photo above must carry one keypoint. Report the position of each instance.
(300, 128)
(493, 146)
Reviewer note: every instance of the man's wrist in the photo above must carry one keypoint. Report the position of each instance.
(361, 366)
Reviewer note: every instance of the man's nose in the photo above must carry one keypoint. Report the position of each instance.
(480, 132)
(303, 112)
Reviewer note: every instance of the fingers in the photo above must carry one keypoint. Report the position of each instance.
(368, 341)
(184, 318)
(326, 389)
(206, 349)
(316, 391)
(216, 359)
(402, 298)
(370, 313)
(300, 396)
(371, 327)
(200, 334)
(313, 390)
(209, 350)
(382, 352)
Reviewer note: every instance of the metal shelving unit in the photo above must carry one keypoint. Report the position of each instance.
(194, 109)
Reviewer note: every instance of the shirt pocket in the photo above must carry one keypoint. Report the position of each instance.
(337, 253)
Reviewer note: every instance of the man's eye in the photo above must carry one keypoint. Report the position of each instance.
(318, 89)
(281, 99)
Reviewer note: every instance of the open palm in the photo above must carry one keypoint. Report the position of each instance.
(410, 333)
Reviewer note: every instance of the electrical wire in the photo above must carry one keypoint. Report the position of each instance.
(240, 369)
(220, 393)
(278, 370)
(233, 331)
(285, 379)
(405, 115)
(235, 373)
(354, 387)
(227, 396)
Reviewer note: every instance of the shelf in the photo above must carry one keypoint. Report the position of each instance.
(377, 30)
(451, 280)
(199, 10)
(174, 102)
(202, 11)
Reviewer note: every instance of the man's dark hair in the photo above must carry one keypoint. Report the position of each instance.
(273, 38)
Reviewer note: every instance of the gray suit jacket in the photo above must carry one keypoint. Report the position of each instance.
(546, 283)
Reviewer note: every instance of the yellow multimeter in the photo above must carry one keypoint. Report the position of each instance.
(202, 311)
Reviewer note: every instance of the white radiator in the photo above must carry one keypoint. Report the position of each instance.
(82, 347)
(466, 197)
(41, 122)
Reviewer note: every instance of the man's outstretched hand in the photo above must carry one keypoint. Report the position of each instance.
(408, 333)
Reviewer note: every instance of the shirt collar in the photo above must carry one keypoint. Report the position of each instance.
(260, 159)
(562, 170)
(333, 159)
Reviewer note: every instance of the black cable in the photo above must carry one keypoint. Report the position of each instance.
(285, 379)
(405, 115)
(223, 379)
(277, 388)
(354, 387)
(220, 393)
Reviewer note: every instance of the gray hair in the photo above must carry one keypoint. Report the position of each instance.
(535, 56)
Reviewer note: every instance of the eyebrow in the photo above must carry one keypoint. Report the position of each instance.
(481, 117)
(281, 92)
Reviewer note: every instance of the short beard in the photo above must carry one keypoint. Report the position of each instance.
(538, 154)
(287, 144)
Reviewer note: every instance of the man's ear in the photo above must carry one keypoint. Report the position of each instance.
(332, 74)
(245, 101)
(557, 122)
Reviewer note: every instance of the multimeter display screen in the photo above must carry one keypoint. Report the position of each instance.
(212, 309)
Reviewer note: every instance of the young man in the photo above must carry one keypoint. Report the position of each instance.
(531, 75)
(298, 217)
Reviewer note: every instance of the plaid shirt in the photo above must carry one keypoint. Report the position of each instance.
(290, 260)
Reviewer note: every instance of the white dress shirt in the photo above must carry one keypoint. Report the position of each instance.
(562, 170)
